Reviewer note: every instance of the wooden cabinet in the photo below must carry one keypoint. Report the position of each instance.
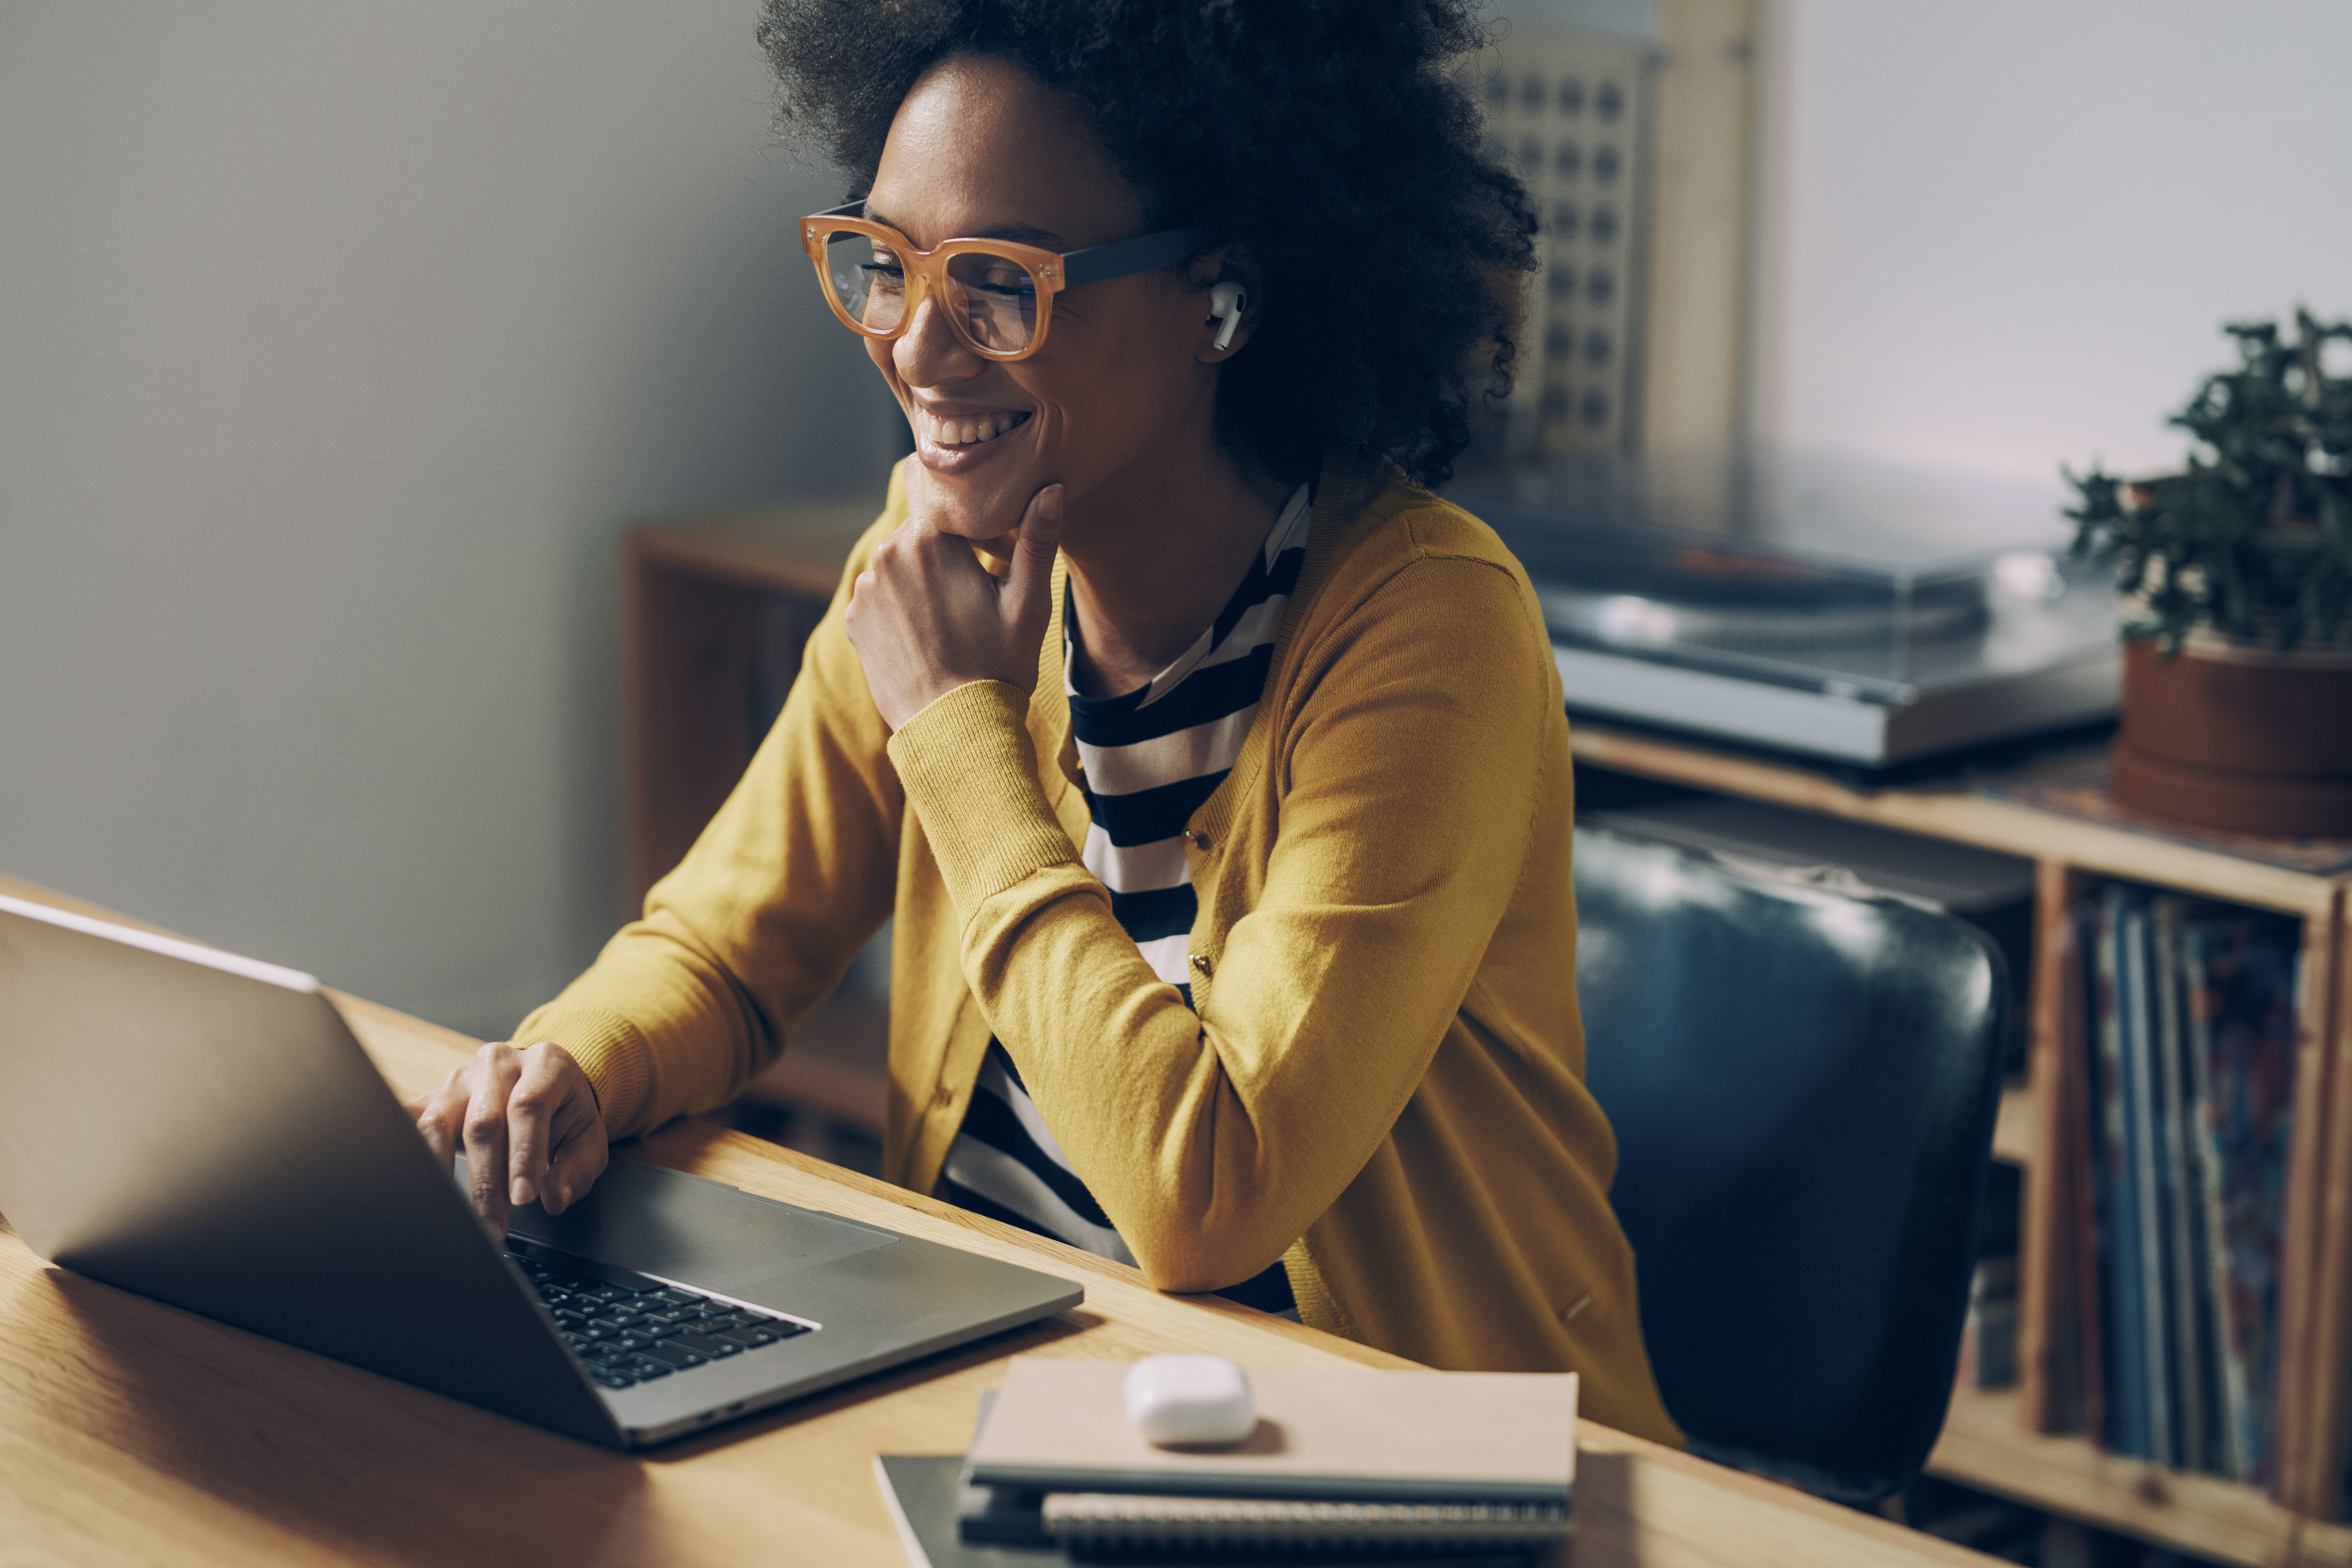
(716, 609)
(2012, 1442)
(718, 606)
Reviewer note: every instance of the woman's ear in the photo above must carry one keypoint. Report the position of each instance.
(1226, 281)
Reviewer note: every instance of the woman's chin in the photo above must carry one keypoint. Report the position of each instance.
(983, 508)
(975, 512)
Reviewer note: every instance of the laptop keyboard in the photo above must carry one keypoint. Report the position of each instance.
(631, 1330)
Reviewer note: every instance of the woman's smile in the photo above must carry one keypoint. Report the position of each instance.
(954, 438)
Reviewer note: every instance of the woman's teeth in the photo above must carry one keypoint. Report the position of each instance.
(970, 431)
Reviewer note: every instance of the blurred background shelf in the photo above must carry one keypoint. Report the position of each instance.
(2012, 1135)
(2026, 1442)
(1987, 1444)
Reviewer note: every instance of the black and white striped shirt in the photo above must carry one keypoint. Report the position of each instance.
(1150, 759)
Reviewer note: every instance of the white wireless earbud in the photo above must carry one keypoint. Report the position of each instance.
(1226, 302)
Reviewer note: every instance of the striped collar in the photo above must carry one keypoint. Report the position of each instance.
(1290, 530)
(1338, 493)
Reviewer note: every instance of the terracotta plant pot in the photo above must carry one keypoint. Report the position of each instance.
(2244, 739)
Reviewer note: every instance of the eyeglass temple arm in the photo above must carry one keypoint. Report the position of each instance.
(1144, 253)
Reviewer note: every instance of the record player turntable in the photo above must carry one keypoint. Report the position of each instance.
(1859, 612)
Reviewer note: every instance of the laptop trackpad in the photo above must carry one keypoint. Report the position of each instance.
(682, 1227)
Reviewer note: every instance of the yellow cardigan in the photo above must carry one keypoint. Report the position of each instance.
(1381, 1079)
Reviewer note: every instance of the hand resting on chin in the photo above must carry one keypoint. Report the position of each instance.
(926, 617)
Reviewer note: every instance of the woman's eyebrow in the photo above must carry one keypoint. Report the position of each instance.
(1022, 233)
(1016, 233)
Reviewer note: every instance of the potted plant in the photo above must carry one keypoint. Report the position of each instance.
(2237, 703)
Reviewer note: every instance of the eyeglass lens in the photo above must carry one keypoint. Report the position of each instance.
(994, 297)
(867, 279)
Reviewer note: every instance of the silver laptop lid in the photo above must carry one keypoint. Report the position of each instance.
(204, 1129)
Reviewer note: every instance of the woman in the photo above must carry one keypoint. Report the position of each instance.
(1228, 834)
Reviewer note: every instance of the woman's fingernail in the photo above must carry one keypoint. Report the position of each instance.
(520, 1191)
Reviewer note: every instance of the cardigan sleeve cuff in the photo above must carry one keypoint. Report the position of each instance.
(970, 773)
(609, 1050)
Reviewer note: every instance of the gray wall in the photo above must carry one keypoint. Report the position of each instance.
(2002, 233)
(338, 343)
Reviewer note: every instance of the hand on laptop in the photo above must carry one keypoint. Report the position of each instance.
(530, 1123)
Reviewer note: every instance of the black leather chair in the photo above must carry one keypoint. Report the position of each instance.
(1803, 1082)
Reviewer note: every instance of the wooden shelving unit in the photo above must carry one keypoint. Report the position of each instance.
(1988, 1443)
(697, 589)
(2006, 1442)
(696, 592)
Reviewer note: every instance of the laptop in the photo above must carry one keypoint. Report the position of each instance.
(204, 1129)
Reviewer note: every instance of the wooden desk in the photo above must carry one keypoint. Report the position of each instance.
(132, 1432)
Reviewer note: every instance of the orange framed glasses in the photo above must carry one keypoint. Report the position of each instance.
(997, 295)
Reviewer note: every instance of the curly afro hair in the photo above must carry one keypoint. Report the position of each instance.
(1328, 137)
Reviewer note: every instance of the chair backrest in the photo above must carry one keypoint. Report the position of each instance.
(1803, 1082)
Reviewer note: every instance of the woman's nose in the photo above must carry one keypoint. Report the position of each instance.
(930, 353)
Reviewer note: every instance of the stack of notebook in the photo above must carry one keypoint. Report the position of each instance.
(1345, 1466)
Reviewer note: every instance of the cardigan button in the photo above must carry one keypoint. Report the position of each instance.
(1200, 961)
(1197, 840)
